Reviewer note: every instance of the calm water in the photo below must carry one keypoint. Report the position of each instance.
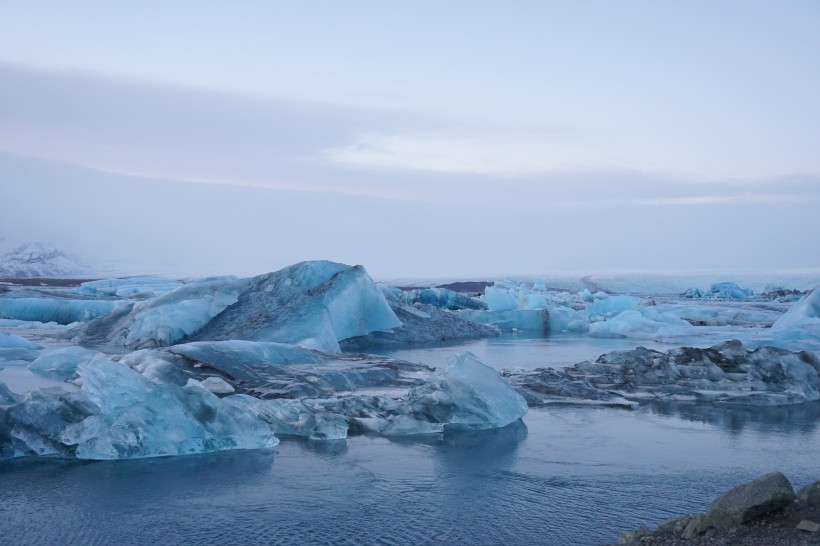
(566, 476)
(525, 351)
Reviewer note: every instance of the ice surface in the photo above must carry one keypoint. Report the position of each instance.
(722, 291)
(313, 304)
(7, 397)
(439, 297)
(59, 311)
(62, 363)
(422, 323)
(132, 287)
(532, 320)
(120, 414)
(499, 299)
(466, 395)
(610, 307)
(169, 318)
(14, 347)
(276, 370)
(805, 311)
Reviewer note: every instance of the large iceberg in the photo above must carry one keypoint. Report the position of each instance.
(120, 414)
(313, 304)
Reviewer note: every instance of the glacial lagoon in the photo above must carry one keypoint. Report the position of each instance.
(364, 452)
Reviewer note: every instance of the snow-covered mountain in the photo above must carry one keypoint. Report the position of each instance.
(39, 260)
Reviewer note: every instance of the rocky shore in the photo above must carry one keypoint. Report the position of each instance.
(763, 512)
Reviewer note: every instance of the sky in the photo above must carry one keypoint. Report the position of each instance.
(424, 139)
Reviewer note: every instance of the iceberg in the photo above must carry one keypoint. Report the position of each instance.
(441, 297)
(313, 304)
(466, 395)
(167, 319)
(532, 320)
(14, 347)
(62, 363)
(119, 414)
(421, 323)
(805, 311)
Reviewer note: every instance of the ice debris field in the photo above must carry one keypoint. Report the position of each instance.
(142, 367)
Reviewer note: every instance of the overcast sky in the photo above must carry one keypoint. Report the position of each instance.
(420, 139)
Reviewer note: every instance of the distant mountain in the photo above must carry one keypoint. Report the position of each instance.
(39, 260)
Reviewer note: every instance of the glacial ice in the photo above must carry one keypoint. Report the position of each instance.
(62, 363)
(422, 323)
(14, 347)
(721, 291)
(119, 414)
(532, 320)
(313, 304)
(167, 319)
(805, 311)
(277, 370)
(132, 287)
(438, 297)
(59, 311)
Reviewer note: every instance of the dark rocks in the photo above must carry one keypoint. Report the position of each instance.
(726, 374)
(748, 501)
(763, 512)
(810, 494)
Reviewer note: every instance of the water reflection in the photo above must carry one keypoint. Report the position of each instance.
(798, 418)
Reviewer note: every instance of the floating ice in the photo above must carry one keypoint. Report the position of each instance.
(120, 414)
(62, 363)
(805, 311)
(466, 395)
(59, 311)
(610, 307)
(14, 347)
(499, 299)
(533, 320)
(441, 297)
(276, 370)
(314, 304)
(721, 291)
(421, 323)
(169, 318)
(132, 287)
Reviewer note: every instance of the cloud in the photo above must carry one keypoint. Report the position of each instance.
(180, 132)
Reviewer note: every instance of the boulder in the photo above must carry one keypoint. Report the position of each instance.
(751, 500)
(810, 494)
